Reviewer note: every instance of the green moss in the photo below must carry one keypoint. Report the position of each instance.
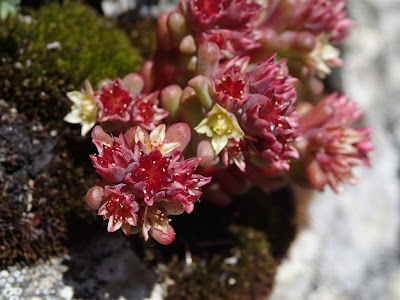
(245, 271)
(55, 51)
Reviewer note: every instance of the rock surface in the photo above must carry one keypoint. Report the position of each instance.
(114, 8)
(103, 267)
(350, 248)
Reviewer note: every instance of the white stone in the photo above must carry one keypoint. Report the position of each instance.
(350, 248)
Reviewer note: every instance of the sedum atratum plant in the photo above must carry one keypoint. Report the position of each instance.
(217, 111)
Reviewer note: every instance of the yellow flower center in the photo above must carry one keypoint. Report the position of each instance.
(220, 124)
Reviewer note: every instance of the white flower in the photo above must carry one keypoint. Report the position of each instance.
(84, 110)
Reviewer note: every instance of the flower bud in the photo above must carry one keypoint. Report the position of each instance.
(176, 27)
(188, 45)
(190, 110)
(203, 87)
(163, 37)
(94, 196)
(134, 82)
(147, 72)
(207, 59)
(163, 237)
(206, 151)
(178, 132)
(170, 98)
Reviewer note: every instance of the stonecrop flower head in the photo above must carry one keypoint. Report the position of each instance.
(258, 102)
(331, 146)
(306, 31)
(144, 179)
(183, 33)
(119, 104)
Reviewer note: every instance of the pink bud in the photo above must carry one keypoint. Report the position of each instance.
(207, 59)
(94, 196)
(134, 82)
(206, 151)
(170, 98)
(203, 88)
(305, 41)
(163, 37)
(163, 237)
(176, 26)
(188, 45)
(179, 132)
(147, 72)
(190, 110)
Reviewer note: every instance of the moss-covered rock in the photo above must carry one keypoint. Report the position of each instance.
(54, 50)
(45, 169)
(225, 253)
(245, 271)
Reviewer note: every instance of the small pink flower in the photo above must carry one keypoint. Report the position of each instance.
(204, 14)
(120, 207)
(114, 155)
(332, 147)
(233, 154)
(156, 171)
(146, 111)
(231, 87)
(122, 101)
(114, 101)
(150, 175)
(264, 98)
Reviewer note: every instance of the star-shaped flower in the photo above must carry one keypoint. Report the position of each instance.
(220, 125)
(84, 110)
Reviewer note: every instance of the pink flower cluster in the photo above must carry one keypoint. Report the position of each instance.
(261, 101)
(221, 90)
(144, 179)
(331, 146)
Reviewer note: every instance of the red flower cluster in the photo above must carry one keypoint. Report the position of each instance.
(145, 179)
(305, 31)
(314, 16)
(262, 101)
(117, 103)
(331, 147)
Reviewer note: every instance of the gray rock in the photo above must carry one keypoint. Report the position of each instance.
(114, 8)
(103, 266)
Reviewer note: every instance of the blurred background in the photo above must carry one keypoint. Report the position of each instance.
(350, 249)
